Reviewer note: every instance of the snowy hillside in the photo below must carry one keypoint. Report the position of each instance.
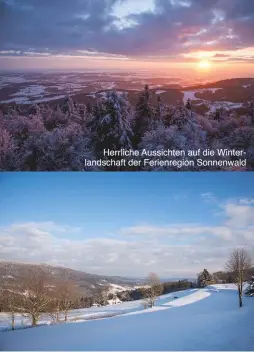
(205, 319)
(211, 105)
(11, 274)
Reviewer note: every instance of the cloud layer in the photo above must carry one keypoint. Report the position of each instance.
(157, 30)
(172, 250)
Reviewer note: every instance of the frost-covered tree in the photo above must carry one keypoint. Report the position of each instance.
(68, 105)
(25, 131)
(74, 112)
(144, 115)
(54, 118)
(158, 119)
(251, 110)
(188, 104)
(241, 138)
(111, 124)
(184, 133)
(168, 113)
(8, 148)
(63, 136)
(64, 148)
(162, 138)
(217, 115)
(23, 127)
(83, 116)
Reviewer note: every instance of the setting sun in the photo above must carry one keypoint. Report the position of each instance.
(204, 64)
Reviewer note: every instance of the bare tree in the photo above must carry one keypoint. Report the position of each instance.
(64, 297)
(100, 297)
(68, 296)
(9, 302)
(36, 295)
(153, 290)
(238, 264)
(54, 309)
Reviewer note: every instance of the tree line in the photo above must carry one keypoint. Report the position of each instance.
(41, 293)
(238, 271)
(52, 138)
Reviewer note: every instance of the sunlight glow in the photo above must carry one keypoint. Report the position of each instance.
(204, 65)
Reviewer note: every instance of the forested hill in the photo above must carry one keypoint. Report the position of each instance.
(72, 136)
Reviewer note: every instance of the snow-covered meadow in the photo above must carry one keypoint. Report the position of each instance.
(212, 105)
(199, 319)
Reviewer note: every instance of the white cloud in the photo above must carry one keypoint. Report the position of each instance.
(45, 227)
(239, 215)
(172, 250)
(246, 201)
(180, 232)
(208, 197)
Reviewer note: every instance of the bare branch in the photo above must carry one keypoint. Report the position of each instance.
(153, 290)
(238, 265)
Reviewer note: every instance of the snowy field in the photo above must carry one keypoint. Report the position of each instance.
(190, 94)
(212, 105)
(201, 319)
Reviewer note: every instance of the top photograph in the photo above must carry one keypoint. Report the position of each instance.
(127, 85)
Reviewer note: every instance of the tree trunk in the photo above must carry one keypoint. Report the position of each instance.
(240, 297)
(65, 315)
(34, 320)
(12, 321)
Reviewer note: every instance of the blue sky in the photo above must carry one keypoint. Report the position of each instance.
(135, 214)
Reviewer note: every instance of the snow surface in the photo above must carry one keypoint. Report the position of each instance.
(190, 94)
(31, 91)
(227, 105)
(212, 105)
(24, 100)
(8, 277)
(160, 91)
(14, 79)
(17, 100)
(104, 94)
(49, 98)
(113, 288)
(199, 320)
(107, 85)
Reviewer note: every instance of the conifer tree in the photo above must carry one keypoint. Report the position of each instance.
(250, 290)
(217, 115)
(188, 104)
(204, 278)
(144, 116)
(251, 110)
(111, 124)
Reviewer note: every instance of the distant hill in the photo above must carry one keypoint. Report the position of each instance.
(11, 276)
(226, 83)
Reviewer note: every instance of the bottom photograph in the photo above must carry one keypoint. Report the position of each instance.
(127, 261)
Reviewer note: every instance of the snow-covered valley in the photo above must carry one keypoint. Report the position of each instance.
(199, 319)
(211, 105)
(36, 88)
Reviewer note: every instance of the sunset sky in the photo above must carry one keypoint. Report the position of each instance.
(127, 34)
